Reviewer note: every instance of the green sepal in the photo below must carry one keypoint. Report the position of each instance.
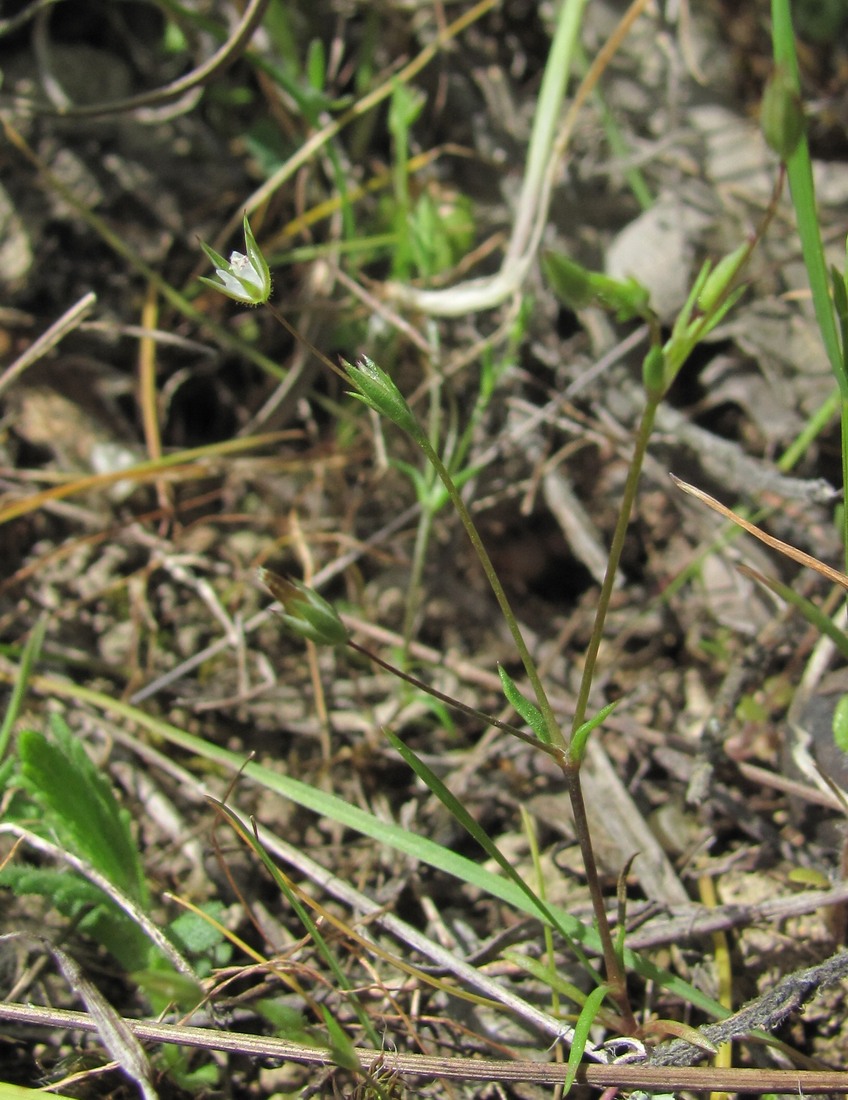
(376, 389)
(245, 278)
(257, 259)
(304, 612)
(720, 279)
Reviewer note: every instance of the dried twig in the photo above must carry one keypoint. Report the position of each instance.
(764, 1013)
(667, 1078)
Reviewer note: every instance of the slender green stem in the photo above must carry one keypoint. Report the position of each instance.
(612, 959)
(816, 424)
(454, 704)
(555, 733)
(571, 767)
(629, 496)
(425, 525)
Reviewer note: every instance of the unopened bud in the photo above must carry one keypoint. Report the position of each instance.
(304, 611)
(782, 114)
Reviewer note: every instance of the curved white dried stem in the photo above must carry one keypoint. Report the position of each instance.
(149, 927)
(544, 154)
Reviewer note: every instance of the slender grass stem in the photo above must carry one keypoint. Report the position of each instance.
(416, 574)
(571, 767)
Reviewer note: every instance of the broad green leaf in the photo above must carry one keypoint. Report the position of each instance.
(80, 806)
(193, 934)
(82, 902)
(165, 986)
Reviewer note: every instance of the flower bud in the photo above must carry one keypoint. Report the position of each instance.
(377, 390)
(577, 287)
(305, 612)
(782, 114)
(653, 372)
(571, 282)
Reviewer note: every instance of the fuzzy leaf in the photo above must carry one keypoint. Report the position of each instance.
(83, 903)
(80, 806)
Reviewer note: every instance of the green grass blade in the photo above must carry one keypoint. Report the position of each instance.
(581, 1033)
(811, 612)
(800, 173)
(28, 659)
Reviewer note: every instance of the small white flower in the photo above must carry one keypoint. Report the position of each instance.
(245, 278)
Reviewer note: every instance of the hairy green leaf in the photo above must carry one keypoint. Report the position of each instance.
(80, 807)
